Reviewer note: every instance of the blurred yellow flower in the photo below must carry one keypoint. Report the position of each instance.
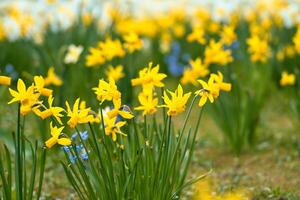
(177, 103)
(87, 18)
(5, 80)
(55, 139)
(52, 78)
(132, 42)
(287, 79)
(216, 54)
(228, 35)
(114, 73)
(193, 73)
(296, 40)
(258, 48)
(197, 35)
(111, 48)
(205, 191)
(73, 54)
(95, 57)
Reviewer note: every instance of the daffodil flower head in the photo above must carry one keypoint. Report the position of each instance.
(56, 139)
(27, 97)
(177, 103)
(196, 70)
(132, 42)
(94, 58)
(148, 103)
(216, 54)
(119, 110)
(39, 86)
(287, 79)
(107, 91)
(114, 73)
(51, 111)
(52, 78)
(113, 127)
(78, 116)
(149, 78)
(205, 93)
(5, 80)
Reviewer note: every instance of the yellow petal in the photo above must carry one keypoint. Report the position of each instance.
(64, 141)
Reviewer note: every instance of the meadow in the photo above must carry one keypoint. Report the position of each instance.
(150, 100)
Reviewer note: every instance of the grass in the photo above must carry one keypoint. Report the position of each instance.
(270, 171)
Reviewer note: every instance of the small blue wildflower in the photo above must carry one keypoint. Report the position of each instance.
(84, 135)
(10, 70)
(176, 62)
(66, 149)
(72, 158)
(84, 156)
(79, 147)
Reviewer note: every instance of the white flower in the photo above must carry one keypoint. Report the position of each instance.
(11, 29)
(73, 54)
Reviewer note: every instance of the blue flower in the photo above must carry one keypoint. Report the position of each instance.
(84, 135)
(176, 62)
(84, 156)
(10, 70)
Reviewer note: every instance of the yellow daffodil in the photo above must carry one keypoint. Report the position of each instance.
(123, 111)
(148, 103)
(197, 35)
(205, 93)
(87, 19)
(52, 78)
(228, 35)
(78, 116)
(73, 54)
(149, 78)
(5, 80)
(218, 80)
(94, 58)
(51, 111)
(132, 42)
(193, 73)
(112, 127)
(96, 116)
(114, 73)
(287, 79)
(111, 48)
(258, 48)
(56, 139)
(107, 91)
(296, 40)
(211, 89)
(39, 86)
(27, 97)
(216, 54)
(177, 103)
